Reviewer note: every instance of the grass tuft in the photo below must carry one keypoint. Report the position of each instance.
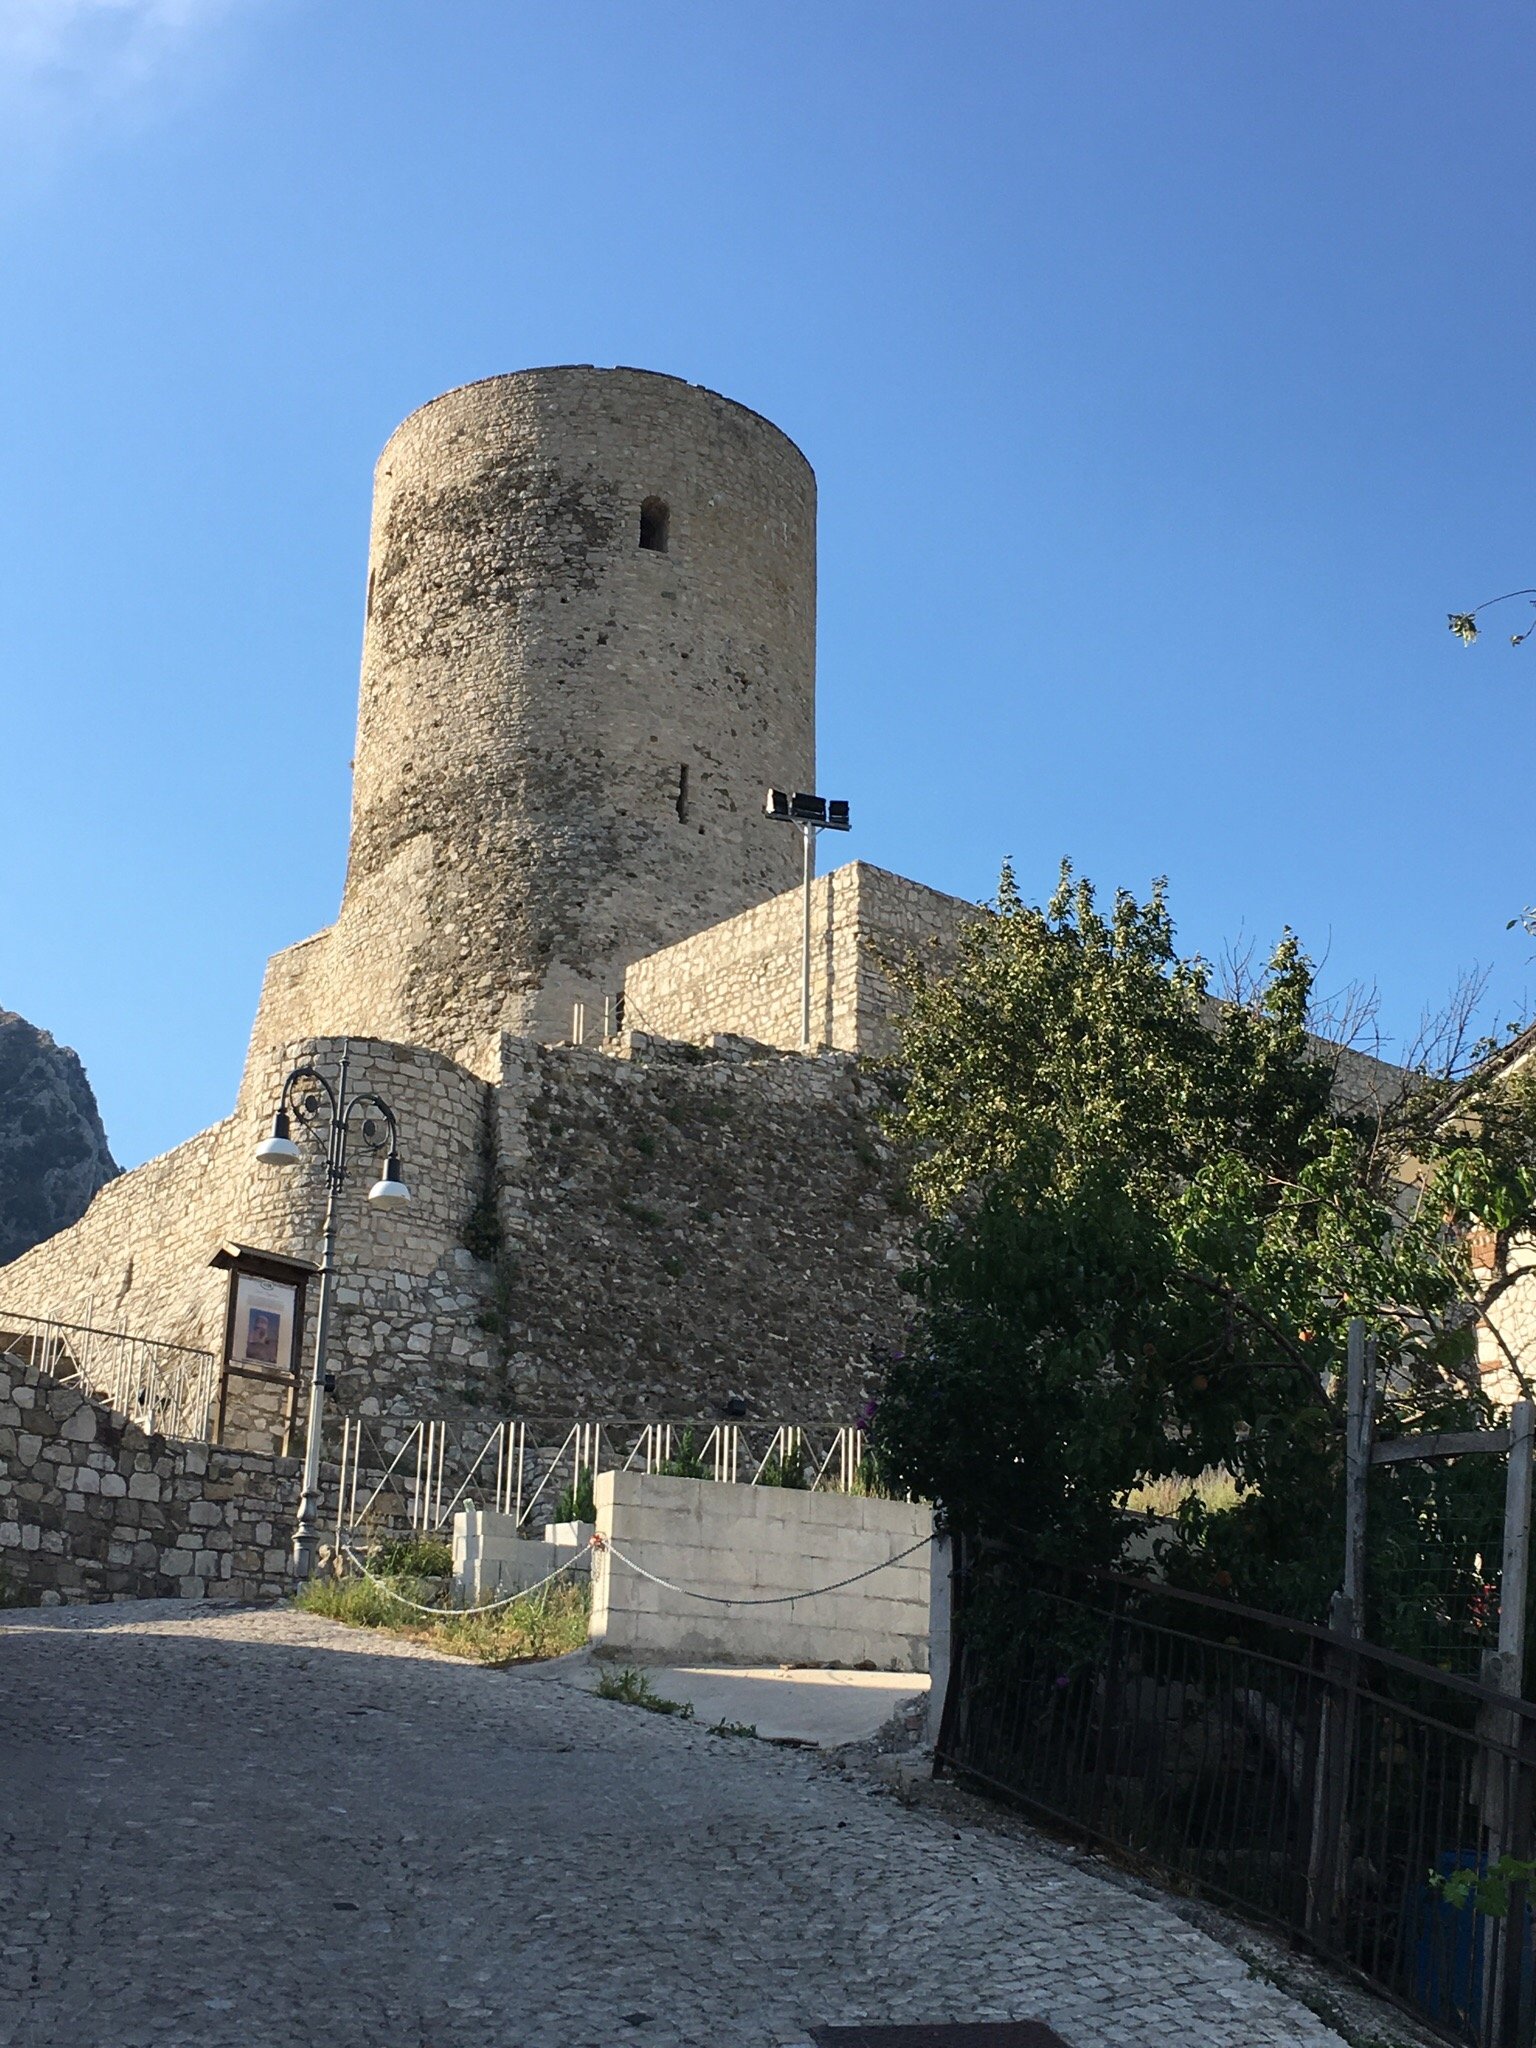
(547, 1623)
(633, 1689)
(411, 1557)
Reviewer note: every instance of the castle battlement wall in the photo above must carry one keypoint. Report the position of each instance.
(647, 1228)
(744, 976)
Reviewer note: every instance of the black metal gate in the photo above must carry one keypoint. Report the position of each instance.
(1321, 1785)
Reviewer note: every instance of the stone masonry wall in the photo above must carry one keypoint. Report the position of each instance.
(685, 1223)
(743, 977)
(563, 737)
(1506, 1332)
(93, 1509)
(637, 1231)
(409, 1291)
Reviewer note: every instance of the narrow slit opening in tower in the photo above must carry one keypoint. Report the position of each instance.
(682, 794)
(653, 526)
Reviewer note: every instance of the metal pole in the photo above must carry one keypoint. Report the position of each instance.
(1515, 1575)
(808, 835)
(335, 1172)
(1359, 1399)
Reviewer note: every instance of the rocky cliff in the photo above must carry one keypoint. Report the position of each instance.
(53, 1150)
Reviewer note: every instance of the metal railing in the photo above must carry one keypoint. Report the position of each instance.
(1320, 1785)
(417, 1475)
(167, 1389)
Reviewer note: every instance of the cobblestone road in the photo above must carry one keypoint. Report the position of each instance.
(258, 1830)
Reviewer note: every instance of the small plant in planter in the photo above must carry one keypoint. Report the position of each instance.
(576, 1503)
(687, 1460)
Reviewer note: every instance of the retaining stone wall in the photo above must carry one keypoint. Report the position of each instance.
(93, 1509)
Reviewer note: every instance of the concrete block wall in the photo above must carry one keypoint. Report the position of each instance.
(93, 1509)
(757, 1543)
(743, 977)
(492, 1556)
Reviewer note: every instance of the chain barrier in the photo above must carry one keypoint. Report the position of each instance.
(758, 1600)
(600, 1543)
(485, 1607)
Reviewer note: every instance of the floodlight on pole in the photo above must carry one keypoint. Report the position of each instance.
(812, 814)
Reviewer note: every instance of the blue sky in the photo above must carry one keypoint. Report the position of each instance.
(1166, 369)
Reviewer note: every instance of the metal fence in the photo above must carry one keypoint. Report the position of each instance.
(1318, 1784)
(167, 1389)
(415, 1476)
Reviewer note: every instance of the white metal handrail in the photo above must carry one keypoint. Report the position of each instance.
(436, 1464)
(167, 1389)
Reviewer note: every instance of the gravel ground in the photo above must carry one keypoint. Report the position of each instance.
(255, 1829)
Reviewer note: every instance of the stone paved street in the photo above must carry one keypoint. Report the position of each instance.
(259, 1830)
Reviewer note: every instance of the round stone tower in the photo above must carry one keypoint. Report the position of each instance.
(589, 649)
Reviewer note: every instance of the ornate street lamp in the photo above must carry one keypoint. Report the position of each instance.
(313, 1102)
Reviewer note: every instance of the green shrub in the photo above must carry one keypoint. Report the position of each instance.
(411, 1557)
(576, 1503)
(869, 1480)
(785, 1468)
(687, 1459)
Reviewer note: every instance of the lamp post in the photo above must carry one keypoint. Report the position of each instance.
(812, 814)
(317, 1104)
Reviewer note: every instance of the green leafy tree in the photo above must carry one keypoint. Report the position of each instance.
(1148, 1222)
